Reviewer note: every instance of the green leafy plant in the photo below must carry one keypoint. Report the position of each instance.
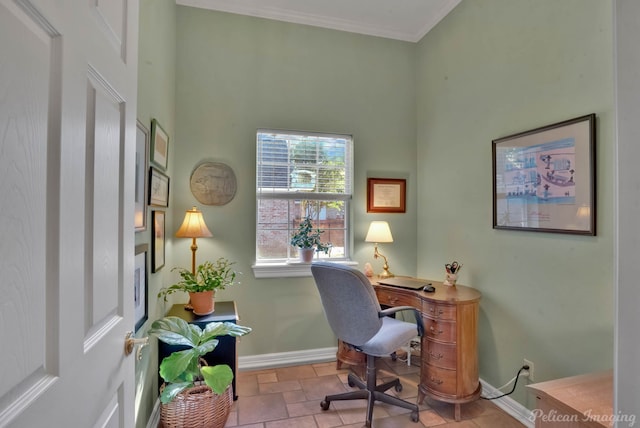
(209, 276)
(182, 369)
(308, 237)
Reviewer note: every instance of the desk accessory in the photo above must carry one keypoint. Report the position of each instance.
(379, 231)
(452, 273)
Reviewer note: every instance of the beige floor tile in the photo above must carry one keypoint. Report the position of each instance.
(290, 397)
(302, 422)
(272, 387)
(295, 373)
(261, 408)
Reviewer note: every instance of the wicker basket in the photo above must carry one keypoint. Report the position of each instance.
(197, 407)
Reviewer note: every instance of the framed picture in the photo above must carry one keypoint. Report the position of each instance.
(544, 179)
(159, 145)
(157, 249)
(158, 188)
(386, 195)
(142, 165)
(141, 286)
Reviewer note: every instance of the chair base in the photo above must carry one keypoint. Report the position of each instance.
(371, 392)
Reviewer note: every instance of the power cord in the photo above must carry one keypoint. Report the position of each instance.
(525, 367)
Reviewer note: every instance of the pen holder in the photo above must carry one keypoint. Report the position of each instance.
(450, 279)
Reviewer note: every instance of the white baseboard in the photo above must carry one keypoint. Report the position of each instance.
(509, 405)
(283, 359)
(154, 418)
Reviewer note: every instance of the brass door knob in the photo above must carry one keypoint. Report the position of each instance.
(130, 342)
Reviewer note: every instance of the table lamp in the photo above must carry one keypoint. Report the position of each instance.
(193, 227)
(379, 231)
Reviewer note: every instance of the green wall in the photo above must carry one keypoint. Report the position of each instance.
(426, 112)
(236, 74)
(492, 69)
(156, 99)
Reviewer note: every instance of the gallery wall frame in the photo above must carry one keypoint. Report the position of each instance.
(141, 186)
(158, 188)
(141, 286)
(386, 195)
(159, 145)
(544, 180)
(158, 241)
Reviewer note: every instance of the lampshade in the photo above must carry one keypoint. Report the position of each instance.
(379, 231)
(193, 225)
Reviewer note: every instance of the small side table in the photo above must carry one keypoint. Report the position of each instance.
(224, 353)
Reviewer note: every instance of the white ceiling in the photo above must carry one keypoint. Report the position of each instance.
(407, 20)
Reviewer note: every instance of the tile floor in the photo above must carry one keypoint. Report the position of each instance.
(289, 397)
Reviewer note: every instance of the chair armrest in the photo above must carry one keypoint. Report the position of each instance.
(393, 310)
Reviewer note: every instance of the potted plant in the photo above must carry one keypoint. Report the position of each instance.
(194, 394)
(307, 239)
(202, 285)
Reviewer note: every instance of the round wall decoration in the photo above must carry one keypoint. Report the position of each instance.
(213, 183)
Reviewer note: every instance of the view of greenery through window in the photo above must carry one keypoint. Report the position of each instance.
(299, 175)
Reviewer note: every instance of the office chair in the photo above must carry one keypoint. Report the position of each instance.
(355, 316)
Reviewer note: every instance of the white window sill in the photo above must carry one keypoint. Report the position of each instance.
(290, 269)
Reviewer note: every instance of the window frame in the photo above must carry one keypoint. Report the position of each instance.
(289, 267)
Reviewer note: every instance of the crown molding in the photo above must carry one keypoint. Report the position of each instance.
(333, 23)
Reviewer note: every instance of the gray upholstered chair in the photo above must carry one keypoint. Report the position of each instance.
(356, 318)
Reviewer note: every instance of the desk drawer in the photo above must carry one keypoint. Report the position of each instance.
(443, 331)
(440, 380)
(439, 354)
(438, 311)
(396, 298)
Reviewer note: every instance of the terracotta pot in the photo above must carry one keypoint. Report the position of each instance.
(306, 254)
(203, 302)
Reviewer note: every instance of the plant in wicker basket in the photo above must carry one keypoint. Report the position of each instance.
(192, 389)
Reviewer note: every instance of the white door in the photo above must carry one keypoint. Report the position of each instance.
(67, 145)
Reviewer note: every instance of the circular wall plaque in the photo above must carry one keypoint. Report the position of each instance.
(213, 183)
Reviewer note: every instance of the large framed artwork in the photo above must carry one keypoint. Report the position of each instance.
(142, 165)
(157, 249)
(544, 179)
(141, 287)
(386, 195)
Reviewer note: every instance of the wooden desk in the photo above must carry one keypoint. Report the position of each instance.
(449, 347)
(577, 401)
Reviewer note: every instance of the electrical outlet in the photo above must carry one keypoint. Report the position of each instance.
(526, 362)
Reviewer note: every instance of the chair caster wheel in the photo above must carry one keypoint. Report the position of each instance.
(324, 405)
(398, 387)
(415, 416)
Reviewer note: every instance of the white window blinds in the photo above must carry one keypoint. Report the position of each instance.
(292, 165)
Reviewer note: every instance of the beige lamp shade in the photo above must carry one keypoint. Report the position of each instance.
(379, 231)
(193, 225)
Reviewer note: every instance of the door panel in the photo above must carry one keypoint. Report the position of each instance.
(67, 150)
(24, 107)
(105, 128)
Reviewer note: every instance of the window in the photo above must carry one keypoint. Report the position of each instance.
(298, 175)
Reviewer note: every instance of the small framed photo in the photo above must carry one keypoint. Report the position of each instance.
(142, 165)
(159, 145)
(544, 179)
(157, 249)
(158, 188)
(141, 286)
(386, 195)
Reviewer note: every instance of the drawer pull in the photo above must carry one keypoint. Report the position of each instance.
(433, 330)
(435, 380)
(435, 356)
(393, 300)
(433, 311)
